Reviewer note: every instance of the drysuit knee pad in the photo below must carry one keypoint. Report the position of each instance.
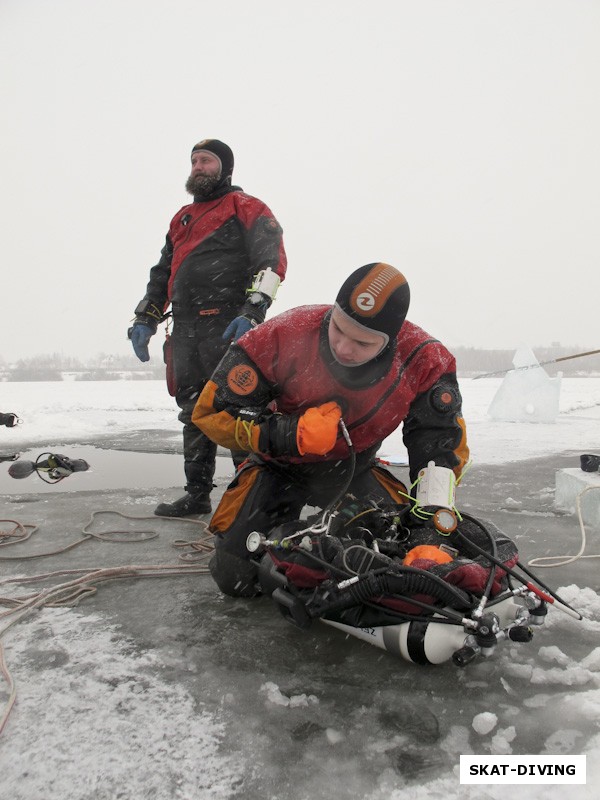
(234, 575)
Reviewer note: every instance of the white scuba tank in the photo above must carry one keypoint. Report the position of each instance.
(424, 641)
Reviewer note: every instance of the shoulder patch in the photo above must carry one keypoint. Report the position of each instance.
(445, 398)
(242, 379)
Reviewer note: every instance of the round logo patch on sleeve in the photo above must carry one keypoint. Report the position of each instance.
(242, 379)
(444, 399)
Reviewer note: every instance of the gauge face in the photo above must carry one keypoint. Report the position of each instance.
(445, 520)
(254, 541)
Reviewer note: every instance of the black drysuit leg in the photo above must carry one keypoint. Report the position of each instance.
(196, 353)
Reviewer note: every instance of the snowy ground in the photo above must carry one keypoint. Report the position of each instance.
(166, 690)
(104, 410)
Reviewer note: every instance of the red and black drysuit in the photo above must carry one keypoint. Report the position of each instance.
(214, 248)
(286, 366)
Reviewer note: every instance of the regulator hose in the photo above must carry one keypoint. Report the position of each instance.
(408, 581)
(512, 571)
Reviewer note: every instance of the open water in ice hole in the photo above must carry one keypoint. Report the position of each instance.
(109, 469)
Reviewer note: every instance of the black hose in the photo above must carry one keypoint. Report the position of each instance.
(490, 580)
(408, 581)
(411, 580)
(451, 617)
(338, 497)
(332, 504)
(510, 570)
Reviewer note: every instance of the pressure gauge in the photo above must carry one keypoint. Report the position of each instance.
(445, 521)
(255, 541)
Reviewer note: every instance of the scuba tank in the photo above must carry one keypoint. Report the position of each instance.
(429, 642)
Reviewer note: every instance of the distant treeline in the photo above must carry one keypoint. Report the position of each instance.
(470, 361)
(102, 367)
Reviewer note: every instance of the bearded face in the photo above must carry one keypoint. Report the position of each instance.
(201, 184)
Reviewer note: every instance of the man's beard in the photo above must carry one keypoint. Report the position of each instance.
(202, 185)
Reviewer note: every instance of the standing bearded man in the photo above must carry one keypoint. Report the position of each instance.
(219, 270)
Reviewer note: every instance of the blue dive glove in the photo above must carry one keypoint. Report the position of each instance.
(140, 335)
(238, 327)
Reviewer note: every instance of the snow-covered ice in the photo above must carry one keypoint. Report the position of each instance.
(82, 411)
(100, 716)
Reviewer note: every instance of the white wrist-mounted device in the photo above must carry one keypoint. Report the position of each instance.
(265, 284)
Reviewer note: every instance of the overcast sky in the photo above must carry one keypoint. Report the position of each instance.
(455, 139)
